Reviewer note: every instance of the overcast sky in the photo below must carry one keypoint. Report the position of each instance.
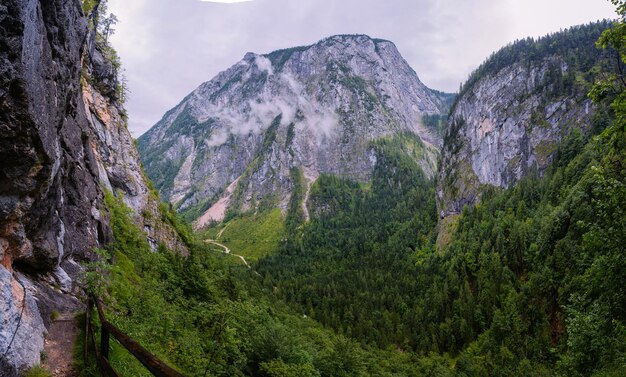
(169, 47)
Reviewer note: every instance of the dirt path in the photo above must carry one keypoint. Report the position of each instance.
(59, 347)
(221, 231)
(227, 251)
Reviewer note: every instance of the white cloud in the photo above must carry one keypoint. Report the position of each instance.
(169, 47)
(286, 98)
(264, 64)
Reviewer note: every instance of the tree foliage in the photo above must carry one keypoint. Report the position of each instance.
(206, 314)
(532, 282)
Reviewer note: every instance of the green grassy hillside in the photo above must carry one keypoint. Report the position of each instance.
(252, 236)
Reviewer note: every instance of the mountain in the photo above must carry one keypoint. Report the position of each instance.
(241, 140)
(523, 275)
(63, 144)
(514, 111)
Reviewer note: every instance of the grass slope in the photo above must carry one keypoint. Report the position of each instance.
(251, 236)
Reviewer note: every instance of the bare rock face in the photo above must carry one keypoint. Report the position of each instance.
(49, 190)
(20, 320)
(119, 169)
(315, 108)
(62, 142)
(48, 186)
(511, 117)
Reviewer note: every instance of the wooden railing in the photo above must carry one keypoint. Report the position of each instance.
(151, 362)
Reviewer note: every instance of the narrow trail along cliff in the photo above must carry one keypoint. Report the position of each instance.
(59, 346)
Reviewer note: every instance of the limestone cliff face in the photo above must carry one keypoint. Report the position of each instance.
(513, 113)
(62, 140)
(118, 166)
(315, 108)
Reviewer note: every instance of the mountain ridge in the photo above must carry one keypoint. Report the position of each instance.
(315, 108)
(514, 111)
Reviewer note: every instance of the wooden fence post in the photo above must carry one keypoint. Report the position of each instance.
(104, 342)
(151, 362)
(87, 325)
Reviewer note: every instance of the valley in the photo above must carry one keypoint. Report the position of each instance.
(316, 210)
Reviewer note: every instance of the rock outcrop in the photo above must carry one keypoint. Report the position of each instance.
(315, 108)
(63, 140)
(511, 116)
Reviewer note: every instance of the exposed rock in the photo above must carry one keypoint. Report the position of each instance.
(119, 168)
(315, 108)
(510, 120)
(218, 210)
(62, 140)
(20, 324)
(47, 171)
(47, 177)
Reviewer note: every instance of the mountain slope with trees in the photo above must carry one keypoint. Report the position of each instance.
(528, 282)
(514, 111)
(362, 277)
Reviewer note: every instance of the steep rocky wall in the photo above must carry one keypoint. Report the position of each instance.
(48, 191)
(507, 124)
(118, 166)
(62, 141)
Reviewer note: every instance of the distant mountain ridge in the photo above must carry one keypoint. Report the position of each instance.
(241, 139)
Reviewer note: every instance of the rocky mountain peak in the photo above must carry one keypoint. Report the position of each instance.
(314, 108)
